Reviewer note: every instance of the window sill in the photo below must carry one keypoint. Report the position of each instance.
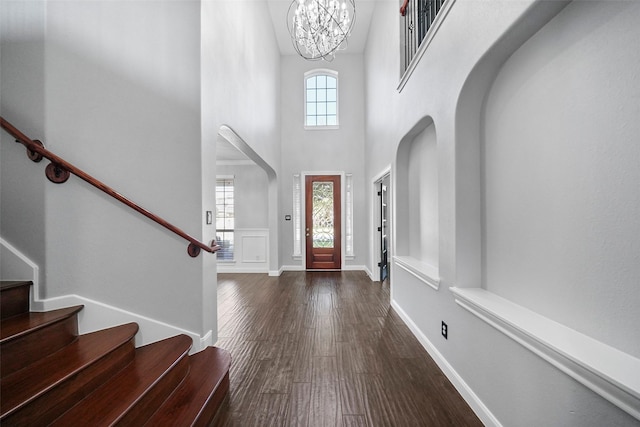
(335, 127)
(607, 371)
(421, 270)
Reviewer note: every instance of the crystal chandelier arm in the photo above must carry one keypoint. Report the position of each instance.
(319, 28)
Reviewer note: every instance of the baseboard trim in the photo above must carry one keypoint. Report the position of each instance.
(276, 273)
(30, 267)
(370, 274)
(241, 270)
(354, 268)
(480, 409)
(98, 315)
(596, 365)
(344, 268)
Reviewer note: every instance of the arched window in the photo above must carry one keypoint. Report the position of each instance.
(321, 99)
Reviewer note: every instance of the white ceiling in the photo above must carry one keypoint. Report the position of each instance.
(278, 10)
(357, 41)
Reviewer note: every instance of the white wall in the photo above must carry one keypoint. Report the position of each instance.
(504, 382)
(125, 106)
(134, 93)
(251, 202)
(323, 150)
(102, 99)
(420, 167)
(562, 174)
(241, 89)
(244, 62)
(22, 183)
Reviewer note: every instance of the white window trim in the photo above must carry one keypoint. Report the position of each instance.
(348, 207)
(321, 72)
(297, 218)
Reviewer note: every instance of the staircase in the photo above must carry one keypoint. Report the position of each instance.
(50, 375)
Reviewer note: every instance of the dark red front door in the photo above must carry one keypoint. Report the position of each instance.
(322, 227)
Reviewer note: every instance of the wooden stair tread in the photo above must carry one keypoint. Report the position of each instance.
(23, 324)
(8, 284)
(29, 337)
(49, 375)
(197, 399)
(113, 401)
(24, 386)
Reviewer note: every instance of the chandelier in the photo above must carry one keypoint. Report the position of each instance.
(319, 28)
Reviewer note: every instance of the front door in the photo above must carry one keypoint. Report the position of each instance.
(322, 222)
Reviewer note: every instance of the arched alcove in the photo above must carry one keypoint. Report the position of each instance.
(416, 206)
(545, 192)
(232, 138)
(468, 140)
(560, 175)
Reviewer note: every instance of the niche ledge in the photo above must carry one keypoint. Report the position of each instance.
(607, 371)
(421, 270)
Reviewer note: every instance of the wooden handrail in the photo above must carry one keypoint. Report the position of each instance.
(58, 172)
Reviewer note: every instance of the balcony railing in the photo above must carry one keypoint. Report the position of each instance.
(419, 18)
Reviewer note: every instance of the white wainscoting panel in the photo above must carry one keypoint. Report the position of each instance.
(254, 249)
(251, 252)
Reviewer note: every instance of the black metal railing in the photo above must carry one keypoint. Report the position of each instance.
(418, 17)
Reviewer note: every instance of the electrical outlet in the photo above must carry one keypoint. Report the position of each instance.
(445, 330)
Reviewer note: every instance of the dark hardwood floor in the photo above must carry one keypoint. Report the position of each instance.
(326, 349)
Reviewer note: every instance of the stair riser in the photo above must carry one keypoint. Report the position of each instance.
(22, 351)
(45, 408)
(211, 408)
(14, 300)
(201, 394)
(130, 397)
(52, 376)
(154, 398)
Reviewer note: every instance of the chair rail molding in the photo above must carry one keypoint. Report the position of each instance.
(607, 371)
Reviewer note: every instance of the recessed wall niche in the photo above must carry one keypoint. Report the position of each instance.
(416, 203)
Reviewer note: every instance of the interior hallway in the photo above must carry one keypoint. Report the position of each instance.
(326, 348)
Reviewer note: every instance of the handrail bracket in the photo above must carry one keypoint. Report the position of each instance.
(56, 173)
(59, 171)
(193, 250)
(33, 155)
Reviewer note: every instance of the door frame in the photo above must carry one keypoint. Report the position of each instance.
(303, 213)
(374, 236)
